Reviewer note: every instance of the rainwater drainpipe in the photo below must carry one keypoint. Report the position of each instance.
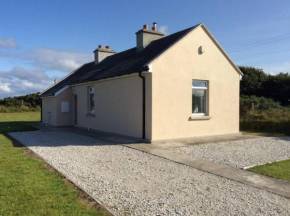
(143, 103)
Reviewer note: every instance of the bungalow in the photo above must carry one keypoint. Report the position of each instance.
(179, 86)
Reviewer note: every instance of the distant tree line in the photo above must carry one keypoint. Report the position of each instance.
(256, 82)
(30, 102)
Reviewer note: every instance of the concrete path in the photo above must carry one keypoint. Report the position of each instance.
(241, 153)
(259, 181)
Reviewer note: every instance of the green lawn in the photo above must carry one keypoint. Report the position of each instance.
(27, 185)
(279, 170)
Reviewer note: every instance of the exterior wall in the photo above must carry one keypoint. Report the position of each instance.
(64, 118)
(118, 106)
(51, 109)
(49, 115)
(173, 73)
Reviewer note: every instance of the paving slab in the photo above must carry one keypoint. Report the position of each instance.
(241, 153)
(249, 178)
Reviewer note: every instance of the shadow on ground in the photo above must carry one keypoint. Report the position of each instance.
(15, 126)
(50, 136)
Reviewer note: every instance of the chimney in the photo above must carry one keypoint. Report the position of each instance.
(146, 36)
(54, 81)
(101, 53)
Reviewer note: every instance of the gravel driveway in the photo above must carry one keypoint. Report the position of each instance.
(131, 182)
(241, 153)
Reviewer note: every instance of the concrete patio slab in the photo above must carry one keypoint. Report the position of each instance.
(241, 153)
(259, 181)
(202, 140)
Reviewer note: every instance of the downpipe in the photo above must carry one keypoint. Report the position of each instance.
(143, 104)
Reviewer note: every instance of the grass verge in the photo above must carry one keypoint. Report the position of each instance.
(28, 186)
(279, 170)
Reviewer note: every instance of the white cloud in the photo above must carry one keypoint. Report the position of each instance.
(23, 74)
(20, 81)
(4, 88)
(46, 58)
(27, 84)
(8, 43)
(164, 29)
(57, 59)
(275, 69)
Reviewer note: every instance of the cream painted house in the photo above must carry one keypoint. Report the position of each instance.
(179, 86)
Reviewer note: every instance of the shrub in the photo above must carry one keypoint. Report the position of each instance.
(22, 108)
(265, 116)
(260, 103)
(266, 126)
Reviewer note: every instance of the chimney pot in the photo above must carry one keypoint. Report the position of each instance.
(154, 27)
(108, 47)
(54, 81)
(100, 46)
(145, 26)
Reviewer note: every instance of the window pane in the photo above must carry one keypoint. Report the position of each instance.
(198, 101)
(92, 102)
(198, 84)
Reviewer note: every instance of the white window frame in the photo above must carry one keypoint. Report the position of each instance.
(91, 90)
(206, 94)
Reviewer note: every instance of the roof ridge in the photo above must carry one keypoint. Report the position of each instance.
(159, 39)
(123, 63)
(185, 30)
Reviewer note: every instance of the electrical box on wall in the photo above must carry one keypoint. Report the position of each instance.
(64, 106)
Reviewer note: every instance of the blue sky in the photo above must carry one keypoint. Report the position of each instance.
(44, 40)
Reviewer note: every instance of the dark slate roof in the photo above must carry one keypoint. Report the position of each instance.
(119, 64)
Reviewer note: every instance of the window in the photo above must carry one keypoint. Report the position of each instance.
(199, 97)
(91, 99)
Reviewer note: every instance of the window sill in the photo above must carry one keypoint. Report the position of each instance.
(197, 117)
(90, 115)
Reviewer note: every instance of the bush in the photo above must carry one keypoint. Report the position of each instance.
(266, 126)
(252, 106)
(259, 114)
(260, 103)
(22, 108)
(276, 115)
